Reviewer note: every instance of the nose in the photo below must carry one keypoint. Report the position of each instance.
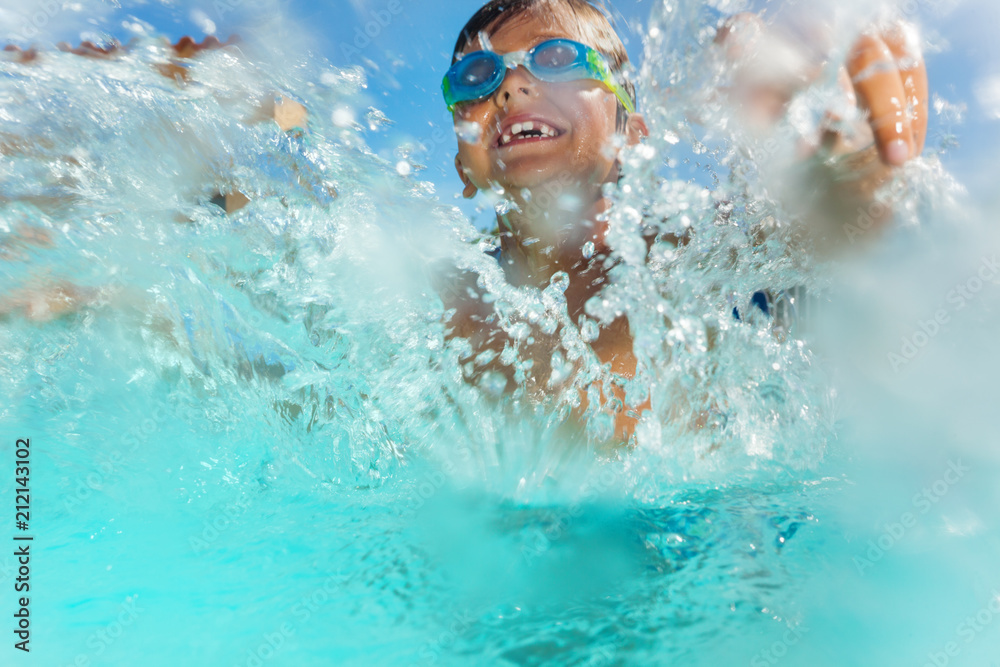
(518, 82)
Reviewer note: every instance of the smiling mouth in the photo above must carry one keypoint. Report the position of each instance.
(527, 132)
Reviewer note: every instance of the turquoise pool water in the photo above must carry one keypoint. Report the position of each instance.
(252, 445)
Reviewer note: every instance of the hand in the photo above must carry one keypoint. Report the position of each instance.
(286, 112)
(15, 53)
(884, 79)
(43, 301)
(88, 49)
(887, 73)
(186, 48)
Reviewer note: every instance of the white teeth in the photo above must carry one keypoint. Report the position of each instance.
(529, 126)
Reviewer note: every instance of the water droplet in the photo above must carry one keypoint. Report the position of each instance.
(343, 116)
(520, 331)
(205, 24)
(376, 119)
(403, 168)
(468, 131)
(493, 383)
(486, 357)
(588, 249)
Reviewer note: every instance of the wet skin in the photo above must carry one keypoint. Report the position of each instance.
(576, 162)
(885, 74)
(583, 155)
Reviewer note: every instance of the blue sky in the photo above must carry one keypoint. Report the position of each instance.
(408, 44)
(412, 53)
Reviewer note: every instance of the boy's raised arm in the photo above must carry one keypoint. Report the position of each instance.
(884, 82)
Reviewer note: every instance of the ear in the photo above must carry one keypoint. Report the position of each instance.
(470, 190)
(635, 129)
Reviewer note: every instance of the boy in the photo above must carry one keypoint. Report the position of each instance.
(553, 116)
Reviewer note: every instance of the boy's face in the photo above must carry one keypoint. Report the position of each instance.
(582, 113)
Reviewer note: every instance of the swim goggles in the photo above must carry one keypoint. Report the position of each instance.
(479, 74)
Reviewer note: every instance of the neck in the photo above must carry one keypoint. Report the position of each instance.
(538, 241)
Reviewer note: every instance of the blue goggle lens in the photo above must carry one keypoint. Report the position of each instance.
(479, 74)
(475, 71)
(555, 55)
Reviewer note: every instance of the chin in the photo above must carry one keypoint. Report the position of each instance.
(550, 177)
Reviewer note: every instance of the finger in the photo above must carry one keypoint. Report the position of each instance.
(739, 34)
(760, 100)
(769, 66)
(186, 47)
(904, 43)
(836, 136)
(88, 49)
(20, 55)
(879, 86)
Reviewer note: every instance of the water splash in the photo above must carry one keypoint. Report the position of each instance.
(294, 354)
(320, 292)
